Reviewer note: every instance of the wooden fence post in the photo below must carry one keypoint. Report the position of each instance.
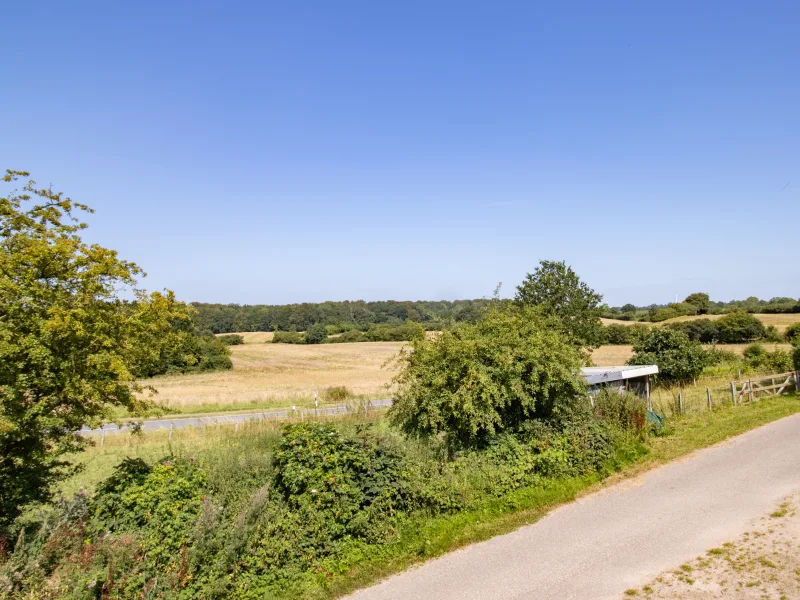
(102, 437)
(171, 427)
(733, 392)
(708, 397)
(750, 389)
(797, 380)
(680, 402)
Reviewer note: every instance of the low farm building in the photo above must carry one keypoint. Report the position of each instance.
(634, 379)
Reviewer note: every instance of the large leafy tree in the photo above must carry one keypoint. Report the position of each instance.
(557, 290)
(700, 301)
(679, 359)
(478, 379)
(70, 347)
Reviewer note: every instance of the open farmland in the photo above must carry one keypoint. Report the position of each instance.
(780, 321)
(252, 337)
(272, 375)
(281, 375)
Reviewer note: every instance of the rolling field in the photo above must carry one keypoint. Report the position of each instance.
(277, 375)
(781, 321)
(253, 337)
(266, 375)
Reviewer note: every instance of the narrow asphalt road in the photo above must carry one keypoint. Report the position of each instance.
(230, 419)
(624, 536)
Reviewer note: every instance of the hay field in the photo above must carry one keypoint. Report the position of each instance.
(278, 375)
(253, 337)
(780, 321)
(282, 375)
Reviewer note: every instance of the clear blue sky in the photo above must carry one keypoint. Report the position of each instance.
(265, 152)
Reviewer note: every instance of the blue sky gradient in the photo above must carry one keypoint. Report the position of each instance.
(262, 152)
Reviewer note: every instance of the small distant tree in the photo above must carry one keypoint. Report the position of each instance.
(231, 339)
(679, 359)
(478, 379)
(558, 291)
(316, 334)
(739, 327)
(629, 308)
(699, 300)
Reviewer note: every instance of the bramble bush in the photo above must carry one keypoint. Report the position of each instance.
(276, 515)
(476, 380)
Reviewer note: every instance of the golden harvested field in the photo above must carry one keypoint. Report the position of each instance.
(283, 374)
(781, 322)
(254, 337)
(267, 375)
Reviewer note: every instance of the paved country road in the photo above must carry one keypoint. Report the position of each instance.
(624, 536)
(229, 419)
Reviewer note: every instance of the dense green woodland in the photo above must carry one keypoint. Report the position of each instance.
(358, 314)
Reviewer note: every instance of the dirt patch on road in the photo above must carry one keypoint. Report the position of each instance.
(763, 563)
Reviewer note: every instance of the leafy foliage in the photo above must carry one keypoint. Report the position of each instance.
(478, 379)
(792, 333)
(316, 334)
(231, 339)
(270, 517)
(348, 337)
(397, 333)
(739, 327)
(558, 291)
(288, 337)
(700, 301)
(679, 359)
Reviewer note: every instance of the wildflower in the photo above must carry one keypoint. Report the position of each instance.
(313, 491)
(167, 463)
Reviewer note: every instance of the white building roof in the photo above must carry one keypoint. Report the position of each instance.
(594, 375)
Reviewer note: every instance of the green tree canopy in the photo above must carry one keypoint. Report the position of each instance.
(739, 327)
(679, 359)
(477, 379)
(700, 301)
(70, 347)
(558, 291)
(316, 334)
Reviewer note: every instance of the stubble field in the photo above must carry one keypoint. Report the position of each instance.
(278, 375)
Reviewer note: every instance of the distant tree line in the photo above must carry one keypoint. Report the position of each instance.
(700, 304)
(337, 316)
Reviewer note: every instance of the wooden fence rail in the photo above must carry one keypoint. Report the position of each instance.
(768, 385)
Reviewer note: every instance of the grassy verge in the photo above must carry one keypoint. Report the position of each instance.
(423, 539)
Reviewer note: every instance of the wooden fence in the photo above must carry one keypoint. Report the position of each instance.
(752, 389)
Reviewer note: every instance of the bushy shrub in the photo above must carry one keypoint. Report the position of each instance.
(231, 339)
(755, 354)
(348, 337)
(679, 359)
(396, 333)
(316, 334)
(337, 393)
(739, 327)
(617, 335)
(699, 330)
(625, 410)
(771, 334)
(792, 333)
(796, 357)
(288, 337)
(716, 357)
(758, 357)
(475, 380)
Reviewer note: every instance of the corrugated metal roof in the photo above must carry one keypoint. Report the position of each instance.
(594, 375)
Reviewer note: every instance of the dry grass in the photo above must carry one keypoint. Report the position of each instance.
(253, 337)
(781, 321)
(267, 375)
(283, 374)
